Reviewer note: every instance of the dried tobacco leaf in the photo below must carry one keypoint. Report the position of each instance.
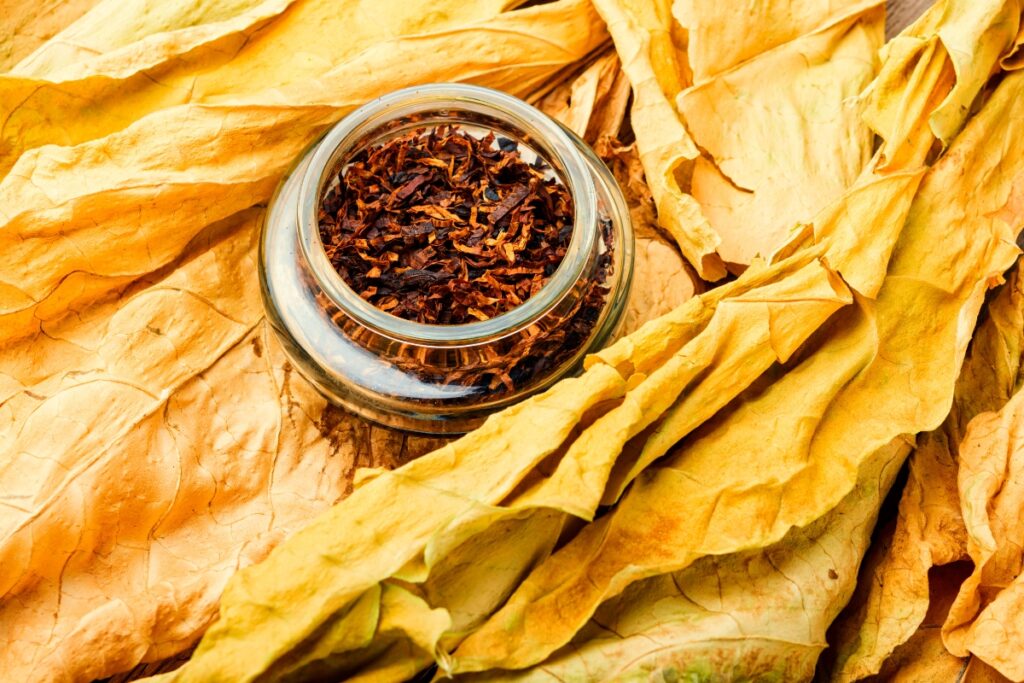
(950, 53)
(985, 618)
(1014, 58)
(644, 39)
(31, 23)
(923, 657)
(270, 130)
(840, 399)
(781, 135)
(111, 558)
(414, 503)
(930, 530)
(50, 96)
(753, 613)
(593, 104)
(148, 34)
(802, 144)
(667, 281)
(155, 437)
(977, 36)
(522, 531)
(892, 603)
(724, 34)
(893, 599)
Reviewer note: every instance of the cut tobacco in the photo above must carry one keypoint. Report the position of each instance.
(441, 227)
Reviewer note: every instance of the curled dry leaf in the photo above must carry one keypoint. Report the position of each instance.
(724, 34)
(668, 280)
(950, 52)
(653, 61)
(930, 531)
(31, 23)
(402, 514)
(780, 134)
(749, 614)
(923, 657)
(50, 97)
(893, 598)
(792, 94)
(891, 603)
(594, 105)
(148, 35)
(985, 618)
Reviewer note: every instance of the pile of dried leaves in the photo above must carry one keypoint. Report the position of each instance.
(696, 504)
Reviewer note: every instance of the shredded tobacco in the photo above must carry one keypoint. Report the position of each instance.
(520, 360)
(441, 227)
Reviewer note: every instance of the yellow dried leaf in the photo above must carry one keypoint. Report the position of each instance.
(984, 619)
(111, 558)
(758, 614)
(391, 519)
(576, 102)
(51, 97)
(892, 603)
(923, 657)
(244, 60)
(929, 531)
(978, 671)
(666, 284)
(724, 34)
(665, 280)
(610, 112)
(976, 36)
(1014, 58)
(643, 37)
(746, 335)
(122, 37)
(236, 154)
(950, 53)
(899, 113)
(994, 368)
(31, 23)
(781, 134)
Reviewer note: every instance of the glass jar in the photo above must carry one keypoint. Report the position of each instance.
(443, 379)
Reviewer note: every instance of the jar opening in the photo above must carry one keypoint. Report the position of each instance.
(476, 109)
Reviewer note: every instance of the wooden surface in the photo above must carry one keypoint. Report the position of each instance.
(901, 13)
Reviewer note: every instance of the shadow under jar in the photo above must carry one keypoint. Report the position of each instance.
(436, 378)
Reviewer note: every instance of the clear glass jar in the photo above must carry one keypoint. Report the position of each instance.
(440, 379)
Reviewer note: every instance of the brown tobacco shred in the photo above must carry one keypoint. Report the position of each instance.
(518, 361)
(441, 227)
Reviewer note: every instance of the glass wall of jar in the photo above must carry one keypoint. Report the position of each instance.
(434, 378)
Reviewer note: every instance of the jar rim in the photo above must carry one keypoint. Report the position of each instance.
(440, 97)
